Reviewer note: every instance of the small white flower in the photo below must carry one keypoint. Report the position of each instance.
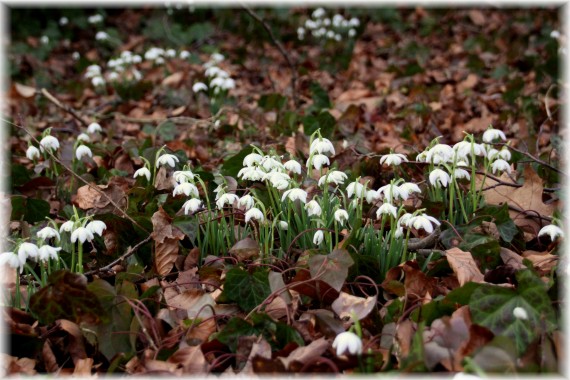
(335, 176)
(171, 53)
(520, 313)
(355, 188)
(372, 196)
(94, 128)
(49, 143)
(247, 201)
(313, 208)
(407, 188)
(321, 145)
(318, 237)
(278, 180)
(226, 198)
(92, 71)
(438, 176)
(394, 159)
(399, 232)
(341, 216)
(461, 173)
(48, 233)
(32, 153)
(28, 250)
(199, 86)
(551, 230)
(47, 252)
(354, 22)
(67, 226)
(184, 54)
(82, 151)
(254, 213)
(387, 209)
(439, 153)
(318, 160)
(101, 36)
(217, 57)
(555, 34)
(271, 163)
(293, 166)
(183, 176)
(83, 137)
(251, 173)
(82, 234)
(492, 154)
(214, 71)
(424, 222)
(294, 194)
(113, 76)
(75, 55)
(12, 260)
(492, 134)
(44, 40)
(466, 148)
(405, 220)
(501, 165)
(505, 154)
(318, 13)
(192, 205)
(167, 159)
(283, 225)
(95, 19)
(351, 32)
(391, 192)
(187, 189)
(142, 172)
(97, 81)
(96, 227)
(63, 21)
(252, 159)
(347, 342)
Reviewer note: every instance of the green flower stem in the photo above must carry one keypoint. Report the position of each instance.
(79, 257)
(17, 295)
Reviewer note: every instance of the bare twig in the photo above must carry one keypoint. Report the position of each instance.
(124, 256)
(64, 107)
(430, 240)
(281, 50)
(535, 159)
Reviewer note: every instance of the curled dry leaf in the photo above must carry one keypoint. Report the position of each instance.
(245, 249)
(349, 306)
(464, 266)
(190, 359)
(76, 345)
(307, 353)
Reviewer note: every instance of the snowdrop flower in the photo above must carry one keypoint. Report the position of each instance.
(492, 134)
(421, 157)
(67, 226)
(405, 220)
(32, 153)
(49, 143)
(247, 201)
(184, 54)
(63, 21)
(322, 145)
(424, 222)
(278, 180)
(461, 173)
(301, 32)
(391, 192)
(217, 57)
(352, 33)
(505, 154)
(372, 196)
(335, 176)
(406, 188)
(47, 252)
(82, 234)
(226, 198)
(465, 148)
(330, 34)
(318, 237)
(341, 216)
(187, 189)
(75, 55)
(501, 165)
(313, 208)
(318, 160)
(318, 13)
(171, 53)
(387, 209)
(28, 250)
(83, 137)
(153, 54)
(250, 173)
(44, 40)
(520, 313)
(97, 81)
(167, 159)
(294, 194)
(94, 128)
(293, 166)
(217, 82)
(552, 231)
(183, 176)
(82, 151)
(394, 159)
(347, 342)
(492, 154)
(439, 153)
(92, 71)
(355, 188)
(228, 84)
(354, 22)
(48, 233)
(192, 205)
(251, 159)
(270, 163)
(439, 176)
(113, 76)
(142, 172)
(12, 260)
(96, 227)
(101, 36)
(555, 34)
(95, 19)
(283, 225)
(399, 232)
(215, 71)
(254, 213)
(220, 190)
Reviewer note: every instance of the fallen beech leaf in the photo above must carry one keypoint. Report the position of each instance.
(173, 80)
(163, 228)
(87, 197)
(469, 82)
(191, 359)
(464, 266)
(543, 261)
(331, 268)
(349, 306)
(75, 344)
(195, 302)
(511, 258)
(165, 254)
(245, 249)
(477, 17)
(307, 353)
(260, 349)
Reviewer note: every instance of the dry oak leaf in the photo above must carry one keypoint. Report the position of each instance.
(166, 238)
(307, 353)
(346, 305)
(464, 266)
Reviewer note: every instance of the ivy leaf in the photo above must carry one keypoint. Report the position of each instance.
(331, 268)
(247, 289)
(492, 307)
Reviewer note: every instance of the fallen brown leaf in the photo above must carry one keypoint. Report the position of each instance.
(464, 266)
(349, 306)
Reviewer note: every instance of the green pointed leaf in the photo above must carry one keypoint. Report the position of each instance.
(247, 289)
(331, 268)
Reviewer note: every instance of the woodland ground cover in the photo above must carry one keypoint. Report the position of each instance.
(280, 191)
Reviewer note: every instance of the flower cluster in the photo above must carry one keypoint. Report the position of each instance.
(335, 28)
(217, 80)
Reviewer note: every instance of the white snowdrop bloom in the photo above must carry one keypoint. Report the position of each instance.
(67, 226)
(181, 176)
(335, 176)
(421, 157)
(439, 153)
(293, 166)
(505, 154)
(372, 196)
(184, 54)
(47, 252)
(82, 234)
(221, 189)
(492, 154)
(355, 188)
(94, 128)
(387, 209)
(192, 205)
(318, 160)
(322, 146)
(354, 22)
(63, 21)
(501, 166)
(251, 173)
(352, 32)
(153, 53)
(330, 34)
(254, 213)
(137, 58)
(217, 57)
(217, 82)
(278, 180)
(48, 233)
(399, 232)
(49, 143)
(283, 225)
(407, 188)
(75, 55)
(171, 53)
(44, 40)
(347, 342)
(96, 227)
(271, 163)
(187, 189)
(555, 34)
(142, 172)
(101, 36)
(28, 250)
(551, 230)
(423, 221)
(326, 21)
(12, 260)
(92, 71)
(394, 159)
(465, 148)
(32, 153)
(82, 151)
(213, 71)
(83, 137)
(337, 37)
(492, 134)
(337, 20)
(294, 194)
(247, 201)
(199, 86)
(252, 159)
(167, 159)
(226, 198)
(310, 24)
(313, 208)
(520, 313)
(301, 32)
(94, 19)
(137, 75)
(228, 84)
(438, 176)
(391, 193)
(113, 76)
(280, 184)
(318, 13)
(97, 81)
(461, 173)
(159, 61)
(341, 216)
(318, 237)
(405, 220)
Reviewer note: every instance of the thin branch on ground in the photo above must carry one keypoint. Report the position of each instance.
(63, 107)
(535, 159)
(109, 267)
